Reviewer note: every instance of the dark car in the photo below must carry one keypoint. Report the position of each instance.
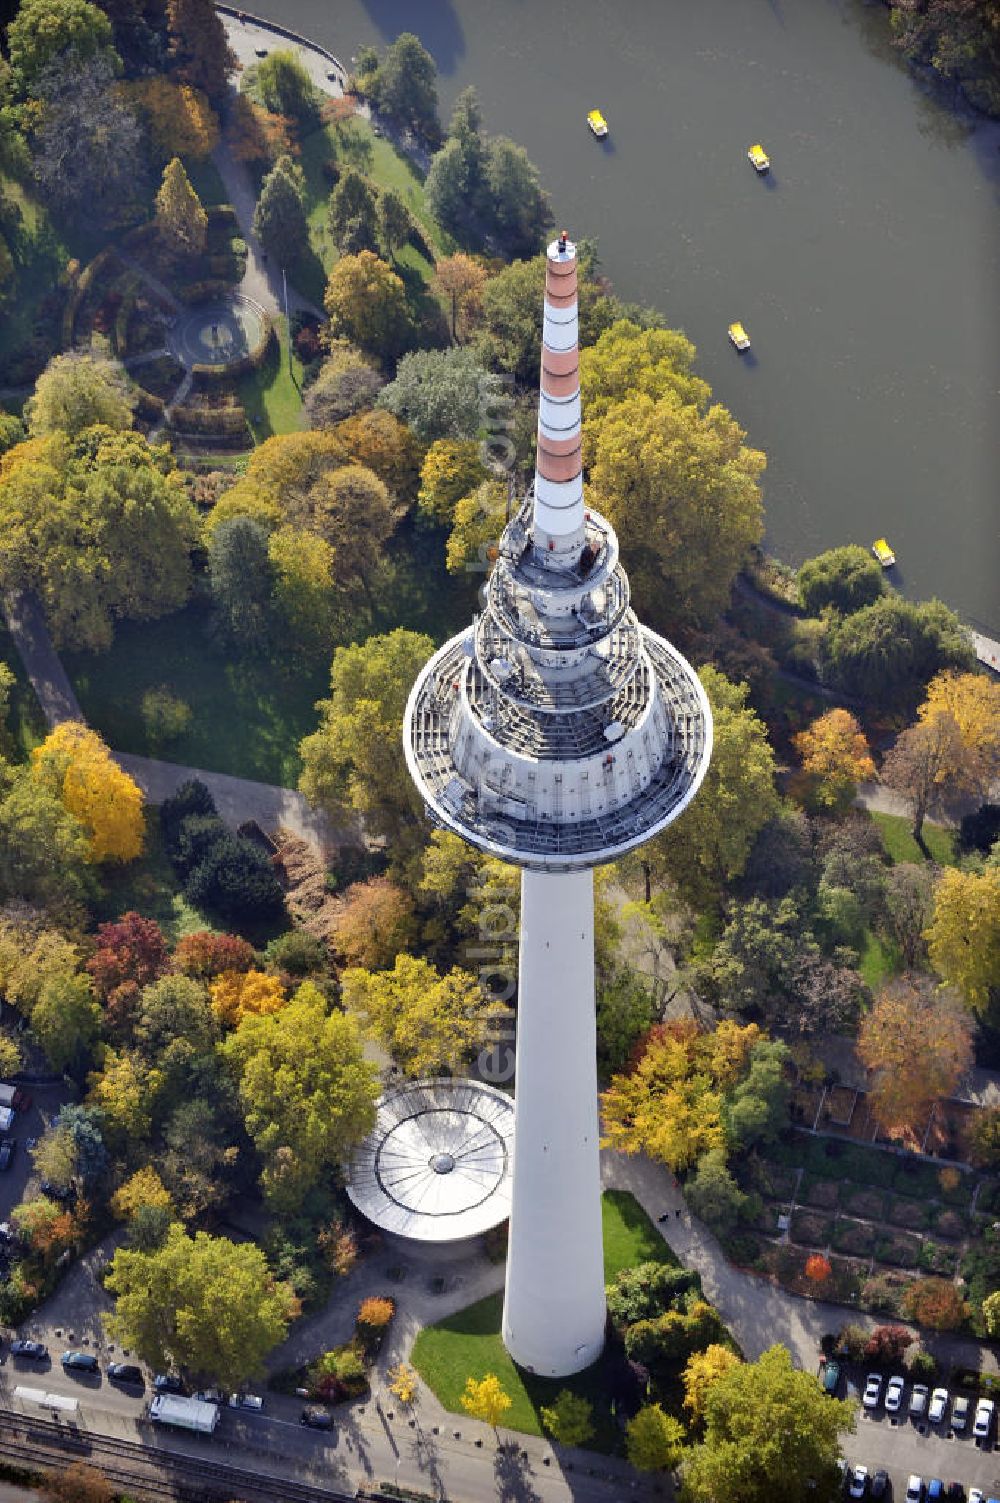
(64, 1193)
(81, 1362)
(7, 1150)
(35, 1349)
(879, 1483)
(830, 1376)
(168, 1383)
(125, 1372)
(316, 1418)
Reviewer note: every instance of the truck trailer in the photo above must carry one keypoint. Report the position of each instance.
(186, 1414)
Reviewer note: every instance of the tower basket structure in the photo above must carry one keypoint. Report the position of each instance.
(557, 733)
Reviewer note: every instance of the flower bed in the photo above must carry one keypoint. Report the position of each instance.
(863, 1202)
(914, 1214)
(810, 1228)
(820, 1192)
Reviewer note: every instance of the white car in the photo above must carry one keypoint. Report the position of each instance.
(858, 1483)
(918, 1399)
(975, 1495)
(938, 1406)
(984, 1418)
(894, 1395)
(960, 1412)
(873, 1391)
(914, 1488)
(245, 1401)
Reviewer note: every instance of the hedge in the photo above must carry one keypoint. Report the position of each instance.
(223, 421)
(222, 216)
(84, 283)
(203, 291)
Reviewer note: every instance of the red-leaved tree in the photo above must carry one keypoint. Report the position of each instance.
(204, 955)
(130, 950)
(818, 1268)
(887, 1344)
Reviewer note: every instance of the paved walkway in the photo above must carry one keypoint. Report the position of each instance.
(30, 635)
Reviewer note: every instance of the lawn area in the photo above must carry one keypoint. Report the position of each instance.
(41, 256)
(353, 144)
(879, 961)
(149, 886)
(25, 720)
(897, 837)
(206, 182)
(249, 714)
(468, 1343)
(272, 396)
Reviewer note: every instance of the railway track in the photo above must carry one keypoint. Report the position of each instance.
(158, 1473)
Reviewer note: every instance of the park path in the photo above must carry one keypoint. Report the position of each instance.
(237, 799)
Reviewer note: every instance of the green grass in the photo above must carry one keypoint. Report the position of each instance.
(468, 1344)
(206, 182)
(897, 837)
(40, 254)
(272, 396)
(879, 961)
(249, 714)
(149, 886)
(25, 721)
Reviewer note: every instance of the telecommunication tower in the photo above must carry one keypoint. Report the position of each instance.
(557, 733)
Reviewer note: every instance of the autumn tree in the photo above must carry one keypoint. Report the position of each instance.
(366, 303)
(65, 1020)
(917, 1045)
(569, 1419)
(460, 280)
(77, 1483)
(282, 81)
(205, 954)
(428, 1022)
(381, 443)
(991, 1314)
(835, 759)
(200, 54)
(179, 119)
(818, 1268)
(241, 994)
(279, 219)
(355, 759)
(43, 31)
(984, 1138)
(403, 1383)
(710, 846)
(74, 762)
(701, 1371)
(485, 1399)
(479, 520)
(77, 390)
(209, 1307)
(128, 949)
(972, 701)
(451, 469)
(100, 529)
(143, 1188)
(278, 481)
(126, 1092)
(926, 765)
(963, 938)
(888, 1344)
(713, 1194)
(180, 218)
(768, 1425)
(348, 381)
(47, 1227)
(375, 925)
(307, 1093)
(301, 566)
(937, 1303)
(653, 1439)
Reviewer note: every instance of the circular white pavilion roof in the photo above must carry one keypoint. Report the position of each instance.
(437, 1165)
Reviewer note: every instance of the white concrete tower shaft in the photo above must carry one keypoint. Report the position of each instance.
(554, 1311)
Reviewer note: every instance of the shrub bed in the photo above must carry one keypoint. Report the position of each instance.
(86, 283)
(227, 422)
(915, 1214)
(810, 1228)
(820, 1192)
(774, 1180)
(949, 1223)
(203, 291)
(856, 1237)
(899, 1248)
(870, 1203)
(161, 376)
(933, 1258)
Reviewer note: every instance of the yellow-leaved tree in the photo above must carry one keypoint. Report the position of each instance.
(653, 1439)
(918, 1045)
(240, 994)
(700, 1372)
(486, 1399)
(963, 939)
(835, 759)
(75, 764)
(973, 702)
(427, 1021)
(143, 1188)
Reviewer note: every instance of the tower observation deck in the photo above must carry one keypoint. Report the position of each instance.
(557, 733)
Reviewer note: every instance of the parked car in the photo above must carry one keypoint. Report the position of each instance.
(830, 1377)
(168, 1383)
(914, 1489)
(935, 1490)
(210, 1396)
(955, 1492)
(938, 1406)
(316, 1418)
(894, 1395)
(873, 1391)
(7, 1150)
(82, 1362)
(984, 1418)
(960, 1412)
(63, 1193)
(125, 1372)
(245, 1401)
(34, 1349)
(880, 1483)
(975, 1495)
(918, 1399)
(858, 1484)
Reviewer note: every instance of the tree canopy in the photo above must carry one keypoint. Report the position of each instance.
(428, 1022)
(77, 390)
(963, 938)
(917, 1045)
(366, 303)
(74, 763)
(204, 1305)
(846, 578)
(442, 394)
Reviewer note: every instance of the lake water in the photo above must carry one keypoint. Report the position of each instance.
(866, 268)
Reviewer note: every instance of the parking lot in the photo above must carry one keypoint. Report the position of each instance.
(904, 1446)
(46, 1101)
